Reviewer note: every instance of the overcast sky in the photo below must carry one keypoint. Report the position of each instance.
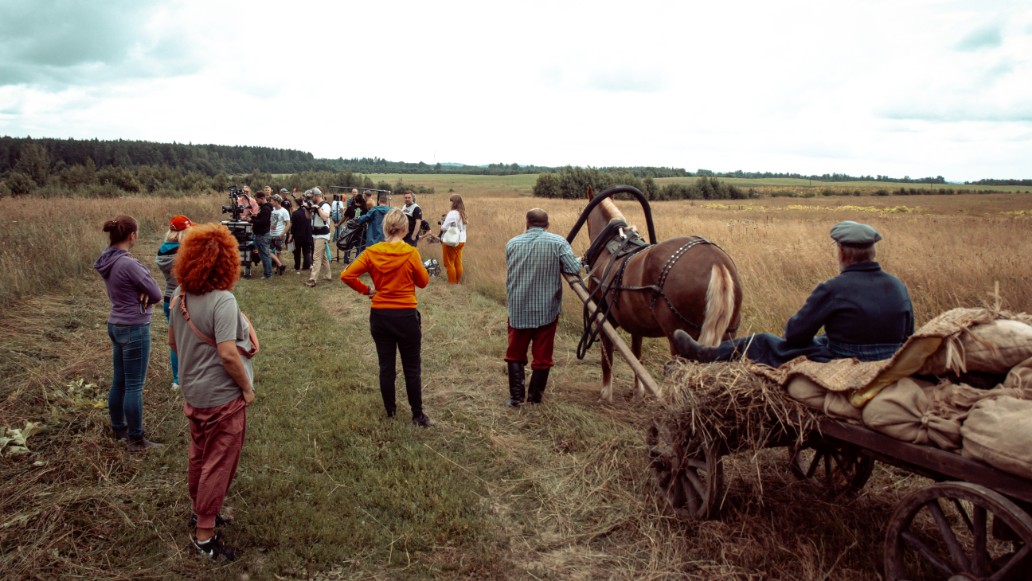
(893, 87)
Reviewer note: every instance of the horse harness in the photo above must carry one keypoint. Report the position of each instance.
(623, 242)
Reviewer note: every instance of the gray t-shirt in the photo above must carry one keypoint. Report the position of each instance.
(204, 380)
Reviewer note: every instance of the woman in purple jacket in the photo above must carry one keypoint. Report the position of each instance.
(132, 291)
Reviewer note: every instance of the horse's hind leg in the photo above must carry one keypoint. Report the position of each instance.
(639, 387)
(607, 367)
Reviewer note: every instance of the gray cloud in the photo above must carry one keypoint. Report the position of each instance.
(54, 43)
(988, 36)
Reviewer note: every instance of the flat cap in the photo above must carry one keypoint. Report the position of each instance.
(284, 191)
(854, 234)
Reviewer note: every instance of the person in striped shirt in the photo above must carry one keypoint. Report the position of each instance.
(535, 261)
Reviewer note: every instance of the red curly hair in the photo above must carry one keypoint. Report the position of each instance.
(208, 259)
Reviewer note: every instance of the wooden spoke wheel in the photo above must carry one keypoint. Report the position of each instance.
(689, 476)
(836, 467)
(958, 530)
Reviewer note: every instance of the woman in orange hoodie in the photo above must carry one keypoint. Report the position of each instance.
(394, 322)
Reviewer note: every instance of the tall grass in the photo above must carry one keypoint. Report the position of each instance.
(328, 488)
(44, 244)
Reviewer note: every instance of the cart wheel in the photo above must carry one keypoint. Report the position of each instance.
(958, 530)
(689, 476)
(838, 468)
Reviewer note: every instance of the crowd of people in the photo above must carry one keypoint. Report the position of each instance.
(864, 312)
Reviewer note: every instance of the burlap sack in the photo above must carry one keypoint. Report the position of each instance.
(992, 347)
(834, 404)
(998, 431)
(1020, 376)
(910, 410)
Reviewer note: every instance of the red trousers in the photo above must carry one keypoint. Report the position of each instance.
(216, 438)
(543, 339)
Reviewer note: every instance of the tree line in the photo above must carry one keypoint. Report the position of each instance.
(573, 182)
(35, 173)
(110, 167)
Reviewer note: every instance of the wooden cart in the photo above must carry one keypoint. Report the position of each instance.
(973, 522)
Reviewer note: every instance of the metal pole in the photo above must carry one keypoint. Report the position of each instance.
(639, 370)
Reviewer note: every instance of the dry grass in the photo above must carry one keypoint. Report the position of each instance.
(327, 489)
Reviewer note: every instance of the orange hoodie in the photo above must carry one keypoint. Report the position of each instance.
(396, 270)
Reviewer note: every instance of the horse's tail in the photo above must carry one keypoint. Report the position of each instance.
(720, 306)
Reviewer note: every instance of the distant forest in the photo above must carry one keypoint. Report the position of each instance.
(96, 167)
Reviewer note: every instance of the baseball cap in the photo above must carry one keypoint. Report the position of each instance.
(179, 223)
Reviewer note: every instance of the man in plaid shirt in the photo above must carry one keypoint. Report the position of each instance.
(535, 261)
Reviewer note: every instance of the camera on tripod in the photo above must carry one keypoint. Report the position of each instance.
(234, 208)
(240, 229)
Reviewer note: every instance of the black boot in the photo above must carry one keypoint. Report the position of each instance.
(691, 350)
(140, 444)
(516, 379)
(538, 381)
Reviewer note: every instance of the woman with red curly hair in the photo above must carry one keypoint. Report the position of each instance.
(208, 333)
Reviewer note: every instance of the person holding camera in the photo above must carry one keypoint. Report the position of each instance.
(394, 321)
(132, 291)
(321, 225)
(248, 205)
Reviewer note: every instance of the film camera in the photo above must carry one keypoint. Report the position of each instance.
(240, 229)
(235, 209)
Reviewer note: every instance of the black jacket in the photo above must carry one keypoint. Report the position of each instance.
(862, 305)
(262, 223)
(301, 226)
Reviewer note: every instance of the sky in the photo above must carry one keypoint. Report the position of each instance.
(900, 88)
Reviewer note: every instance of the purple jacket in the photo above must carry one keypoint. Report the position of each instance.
(125, 278)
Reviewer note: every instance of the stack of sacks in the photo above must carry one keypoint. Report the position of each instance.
(920, 395)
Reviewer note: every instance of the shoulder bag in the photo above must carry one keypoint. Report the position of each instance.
(450, 236)
(250, 329)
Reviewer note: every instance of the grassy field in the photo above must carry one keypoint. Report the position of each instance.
(330, 489)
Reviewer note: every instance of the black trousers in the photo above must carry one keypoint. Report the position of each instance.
(398, 331)
(303, 251)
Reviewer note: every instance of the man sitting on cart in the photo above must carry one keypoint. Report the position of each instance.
(866, 313)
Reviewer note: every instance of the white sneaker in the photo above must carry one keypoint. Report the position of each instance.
(175, 386)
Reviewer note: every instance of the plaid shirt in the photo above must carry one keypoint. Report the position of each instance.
(533, 282)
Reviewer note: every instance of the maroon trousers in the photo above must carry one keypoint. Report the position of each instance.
(543, 339)
(216, 438)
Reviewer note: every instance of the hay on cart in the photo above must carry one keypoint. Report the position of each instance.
(730, 406)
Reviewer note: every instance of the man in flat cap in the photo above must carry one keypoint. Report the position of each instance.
(865, 312)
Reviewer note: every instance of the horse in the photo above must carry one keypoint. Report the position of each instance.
(651, 290)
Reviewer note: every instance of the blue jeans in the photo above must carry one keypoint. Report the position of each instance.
(130, 346)
(262, 242)
(172, 357)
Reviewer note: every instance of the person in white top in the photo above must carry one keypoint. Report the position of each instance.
(321, 237)
(452, 255)
(280, 223)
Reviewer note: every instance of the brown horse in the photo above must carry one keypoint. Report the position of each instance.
(682, 283)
